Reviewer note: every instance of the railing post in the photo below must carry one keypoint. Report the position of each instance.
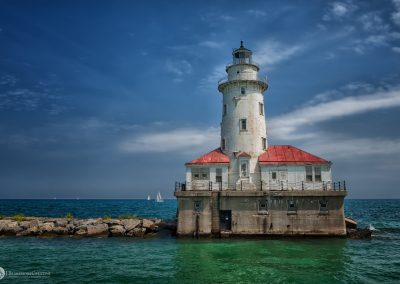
(344, 185)
(241, 185)
(261, 185)
(323, 185)
(339, 185)
(302, 185)
(334, 186)
(281, 185)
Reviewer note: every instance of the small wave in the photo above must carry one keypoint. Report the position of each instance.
(372, 228)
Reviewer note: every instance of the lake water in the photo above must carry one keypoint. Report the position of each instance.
(172, 260)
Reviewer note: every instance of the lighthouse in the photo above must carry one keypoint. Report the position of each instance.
(247, 187)
(243, 126)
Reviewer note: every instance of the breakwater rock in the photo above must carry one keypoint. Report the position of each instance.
(103, 227)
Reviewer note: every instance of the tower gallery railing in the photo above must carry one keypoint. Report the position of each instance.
(206, 185)
(248, 77)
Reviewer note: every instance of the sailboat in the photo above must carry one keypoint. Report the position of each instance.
(148, 197)
(159, 198)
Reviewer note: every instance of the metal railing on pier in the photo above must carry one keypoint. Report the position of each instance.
(244, 185)
(248, 77)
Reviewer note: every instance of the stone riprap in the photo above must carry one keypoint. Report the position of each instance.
(99, 227)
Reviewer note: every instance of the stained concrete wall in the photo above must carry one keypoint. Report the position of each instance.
(307, 219)
(187, 214)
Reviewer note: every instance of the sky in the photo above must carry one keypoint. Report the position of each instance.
(109, 99)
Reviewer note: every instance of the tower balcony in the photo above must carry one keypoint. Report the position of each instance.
(238, 61)
(261, 80)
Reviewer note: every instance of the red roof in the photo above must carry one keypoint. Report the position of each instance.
(285, 154)
(214, 157)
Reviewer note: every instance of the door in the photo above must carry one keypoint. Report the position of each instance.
(225, 218)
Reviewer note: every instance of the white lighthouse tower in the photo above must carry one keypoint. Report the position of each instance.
(246, 187)
(243, 127)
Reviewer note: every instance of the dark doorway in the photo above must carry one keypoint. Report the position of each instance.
(225, 218)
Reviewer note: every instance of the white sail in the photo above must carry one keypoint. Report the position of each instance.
(159, 198)
(148, 197)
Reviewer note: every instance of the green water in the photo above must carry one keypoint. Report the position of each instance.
(170, 260)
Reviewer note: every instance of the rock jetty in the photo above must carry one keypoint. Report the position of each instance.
(99, 227)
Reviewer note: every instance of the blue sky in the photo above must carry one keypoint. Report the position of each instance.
(103, 99)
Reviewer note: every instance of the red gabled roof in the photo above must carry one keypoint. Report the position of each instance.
(214, 157)
(286, 154)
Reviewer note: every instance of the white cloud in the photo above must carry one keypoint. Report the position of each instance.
(298, 126)
(396, 49)
(290, 126)
(256, 13)
(377, 40)
(211, 44)
(271, 52)
(178, 68)
(373, 22)
(8, 80)
(216, 19)
(184, 140)
(216, 74)
(339, 10)
(349, 148)
(396, 14)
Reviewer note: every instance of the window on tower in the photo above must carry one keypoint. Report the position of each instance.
(243, 124)
(223, 145)
(242, 90)
(261, 108)
(264, 143)
(224, 109)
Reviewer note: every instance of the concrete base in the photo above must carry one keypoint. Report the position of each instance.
(261, 213)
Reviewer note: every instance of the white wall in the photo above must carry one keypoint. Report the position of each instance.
(295, 175)
(212, 176)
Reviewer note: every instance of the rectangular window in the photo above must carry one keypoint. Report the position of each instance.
(264, 143)
(224, 110)
(309, 173)
(200, 173)
(273, 175)
(292, 206)
(243, 125)
(223, 145)
(218, 175)
(317, 174)
(243, 90)
(244, 169)
(323, 206)
(197, 205)
(263, 205)
(261, 108)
